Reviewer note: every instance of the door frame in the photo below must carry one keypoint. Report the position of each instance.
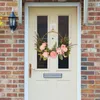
(52, 4)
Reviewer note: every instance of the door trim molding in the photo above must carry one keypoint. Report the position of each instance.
(52, 4)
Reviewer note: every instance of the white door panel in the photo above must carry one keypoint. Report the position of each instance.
(40, 87)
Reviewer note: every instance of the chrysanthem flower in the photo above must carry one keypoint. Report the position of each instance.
(42, 47)
(59, 51)
(64, 48)
(53, 54)
(45, 54)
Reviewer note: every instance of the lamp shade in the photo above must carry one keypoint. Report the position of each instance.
(12, 21)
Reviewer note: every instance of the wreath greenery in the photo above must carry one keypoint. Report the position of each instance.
(62, 50)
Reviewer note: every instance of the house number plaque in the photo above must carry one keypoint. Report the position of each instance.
(52, 75)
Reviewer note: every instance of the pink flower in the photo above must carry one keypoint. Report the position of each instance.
(42, 47)
(59, 51)
(45, 54)
(44, 44)
(64, 48)
(53, 54)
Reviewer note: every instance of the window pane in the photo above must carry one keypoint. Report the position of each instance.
(41, 29)
(63, 29)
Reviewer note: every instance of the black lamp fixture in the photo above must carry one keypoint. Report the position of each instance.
(12, 21)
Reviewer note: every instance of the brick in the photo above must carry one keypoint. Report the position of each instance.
(97, 82)
(11, 68)
(94, 13)
(83, 77)
(5, 81)
(18, 81)
(11, 86)
(87, 63)
(97, 45)
(11, 50)
(2, 32)
(87, 91)
(90, 18)
(2, 68)
(21, 68)
(87, 27)
(18, 45)
(87, 46)
(5, 72)
(83, 59)
(18, 54)
(18, 72)
(97, 9)
(83, 86)
(2, 63)
(21, 95)
(96, 63)
(88, 36)
(94, 59)
(5, 45)
(94, 95)
(2, 4)
(2, 41)
(18, 63)
(12, 94)
(97, 18)
(83, 68)
(87, 82)
(12, 59)
(1, 90)
(2, 85)
(18, 36)
(2, 59)
(2, 50)
(87, 98)
(11, 77)
(93, 68)
(21, 77)
(97, 72)
(94, 32)
(12, 4)
(21, 50)
(2, 76)
(93, 86)
(84, 95)
(98, 50)
(87, 72)
(90, 54)
(90, 9)
(93, 77)
(97, 91)
(97, 27)
(5, 98)
(5, 36)
(97, 36)
(84, 54)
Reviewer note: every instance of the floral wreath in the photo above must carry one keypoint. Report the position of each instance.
(62, 50)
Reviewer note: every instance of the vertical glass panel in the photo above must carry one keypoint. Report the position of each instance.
(42, 29)
(63, 29)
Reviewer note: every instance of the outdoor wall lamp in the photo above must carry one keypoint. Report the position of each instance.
(12, 21)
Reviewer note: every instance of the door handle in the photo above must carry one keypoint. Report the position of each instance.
(30, 70)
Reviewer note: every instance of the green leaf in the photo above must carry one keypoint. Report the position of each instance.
(44, 59)
(60, 57)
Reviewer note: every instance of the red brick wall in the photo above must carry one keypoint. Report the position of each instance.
(91, 54)
(12, 55)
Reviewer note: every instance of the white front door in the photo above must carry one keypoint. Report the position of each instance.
(52, 79)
